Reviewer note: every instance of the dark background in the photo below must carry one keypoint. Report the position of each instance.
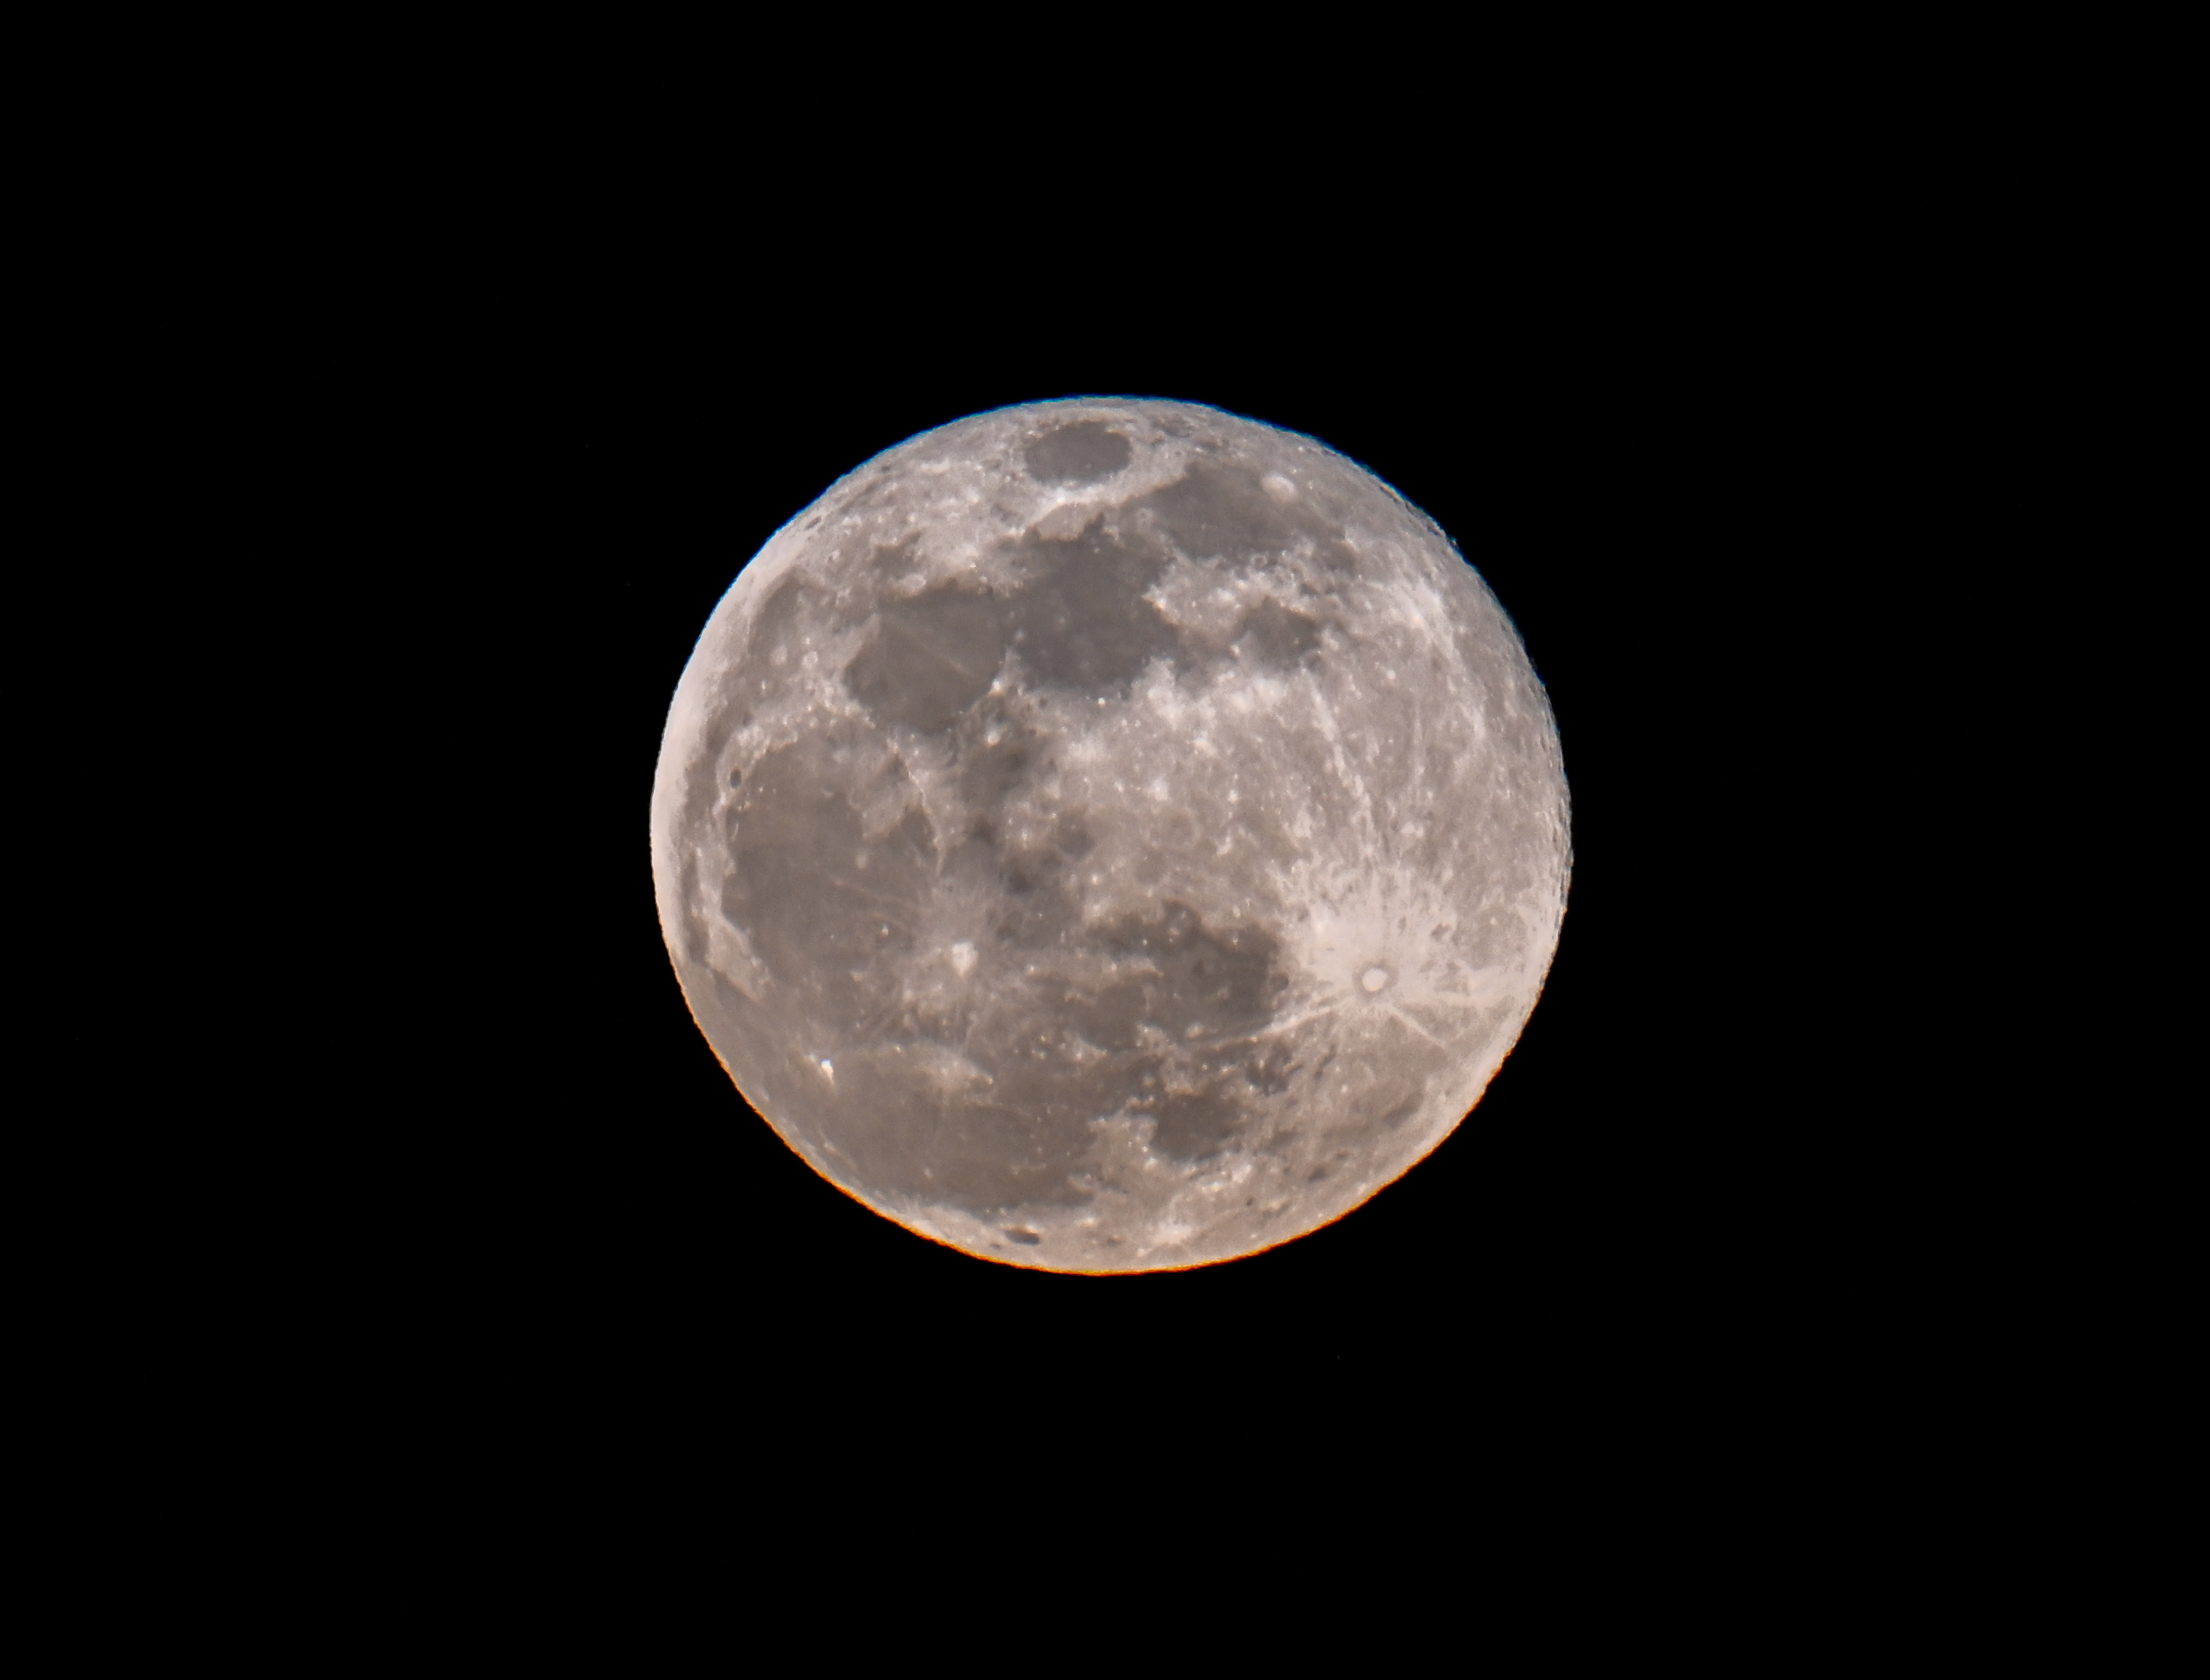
(587, 1185)
(438, 485)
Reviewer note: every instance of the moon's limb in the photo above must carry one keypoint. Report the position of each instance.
(1107, 836)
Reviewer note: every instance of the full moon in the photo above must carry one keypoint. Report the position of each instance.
(1110, 835)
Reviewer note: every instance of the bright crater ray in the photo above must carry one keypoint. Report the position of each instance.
(1107, 835)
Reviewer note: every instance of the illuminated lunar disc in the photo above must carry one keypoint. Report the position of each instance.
(1107, 836)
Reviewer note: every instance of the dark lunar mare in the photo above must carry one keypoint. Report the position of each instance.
(1171, 1036)
(1081, 620)
(1086, 452)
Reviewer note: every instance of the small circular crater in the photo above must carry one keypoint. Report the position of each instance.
(1374, 979)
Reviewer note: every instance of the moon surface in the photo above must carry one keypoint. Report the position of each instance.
(1110, 835)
